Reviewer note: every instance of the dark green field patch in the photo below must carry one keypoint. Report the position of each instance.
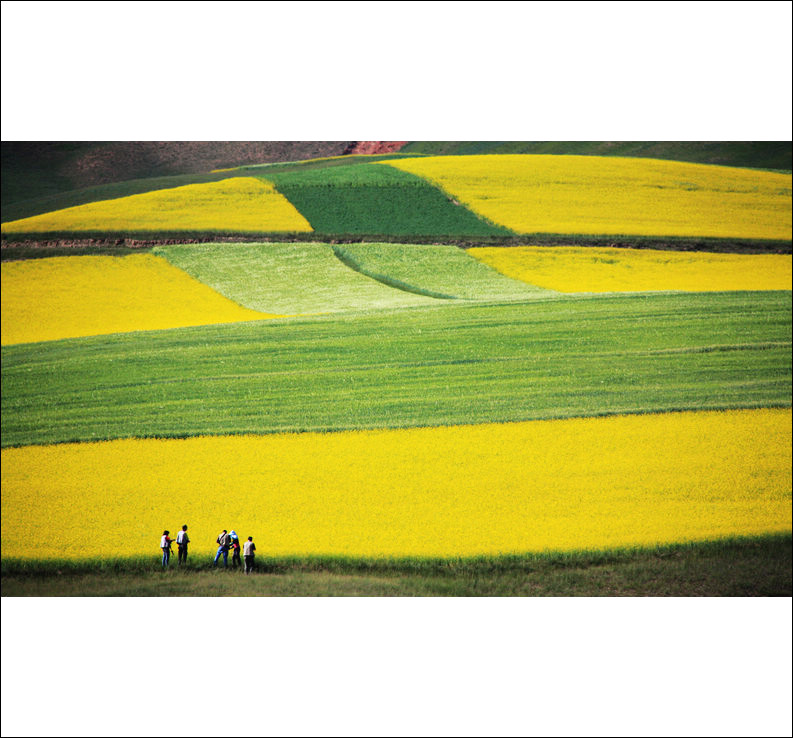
(447, 365)
(376, 199)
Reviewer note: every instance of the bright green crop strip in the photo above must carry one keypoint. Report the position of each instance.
(444, 270)
(373, 199)
(453, 364)
(292, 278)
(318, 278)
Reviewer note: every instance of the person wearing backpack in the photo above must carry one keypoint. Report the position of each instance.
(223, 541)
(181, 541)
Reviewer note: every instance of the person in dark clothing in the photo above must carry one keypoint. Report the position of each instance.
(235, 550)
(181, 541)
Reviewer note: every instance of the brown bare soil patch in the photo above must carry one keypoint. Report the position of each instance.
(374, 147)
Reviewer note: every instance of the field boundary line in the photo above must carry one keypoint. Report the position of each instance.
(330, 430)
(345, 258)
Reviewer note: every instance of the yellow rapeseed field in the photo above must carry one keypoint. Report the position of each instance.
(613, 195)
(235, 204)
(587, 483)
(71, 296)
(576, 269)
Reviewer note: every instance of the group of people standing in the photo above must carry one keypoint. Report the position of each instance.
(230, 541)
(226, 542)
(182, 539)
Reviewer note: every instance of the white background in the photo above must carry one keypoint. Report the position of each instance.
(396, 71)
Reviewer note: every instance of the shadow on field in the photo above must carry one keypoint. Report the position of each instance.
(749, 567)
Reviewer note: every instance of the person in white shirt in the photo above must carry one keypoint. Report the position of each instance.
(181, 541)
(248, 548)
(165, 545)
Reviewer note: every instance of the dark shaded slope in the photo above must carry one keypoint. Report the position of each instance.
(40, 168)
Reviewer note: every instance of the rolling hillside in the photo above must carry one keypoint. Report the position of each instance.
(299, 350)
(466, 199)
(32, 170)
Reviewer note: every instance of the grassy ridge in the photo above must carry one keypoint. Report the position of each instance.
(35, 246)
(371, 199)
(734, 567)
(449, 365)
(755, 154)
(323, 163)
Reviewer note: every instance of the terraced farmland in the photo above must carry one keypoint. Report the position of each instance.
(491, 197)
(361, 401)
